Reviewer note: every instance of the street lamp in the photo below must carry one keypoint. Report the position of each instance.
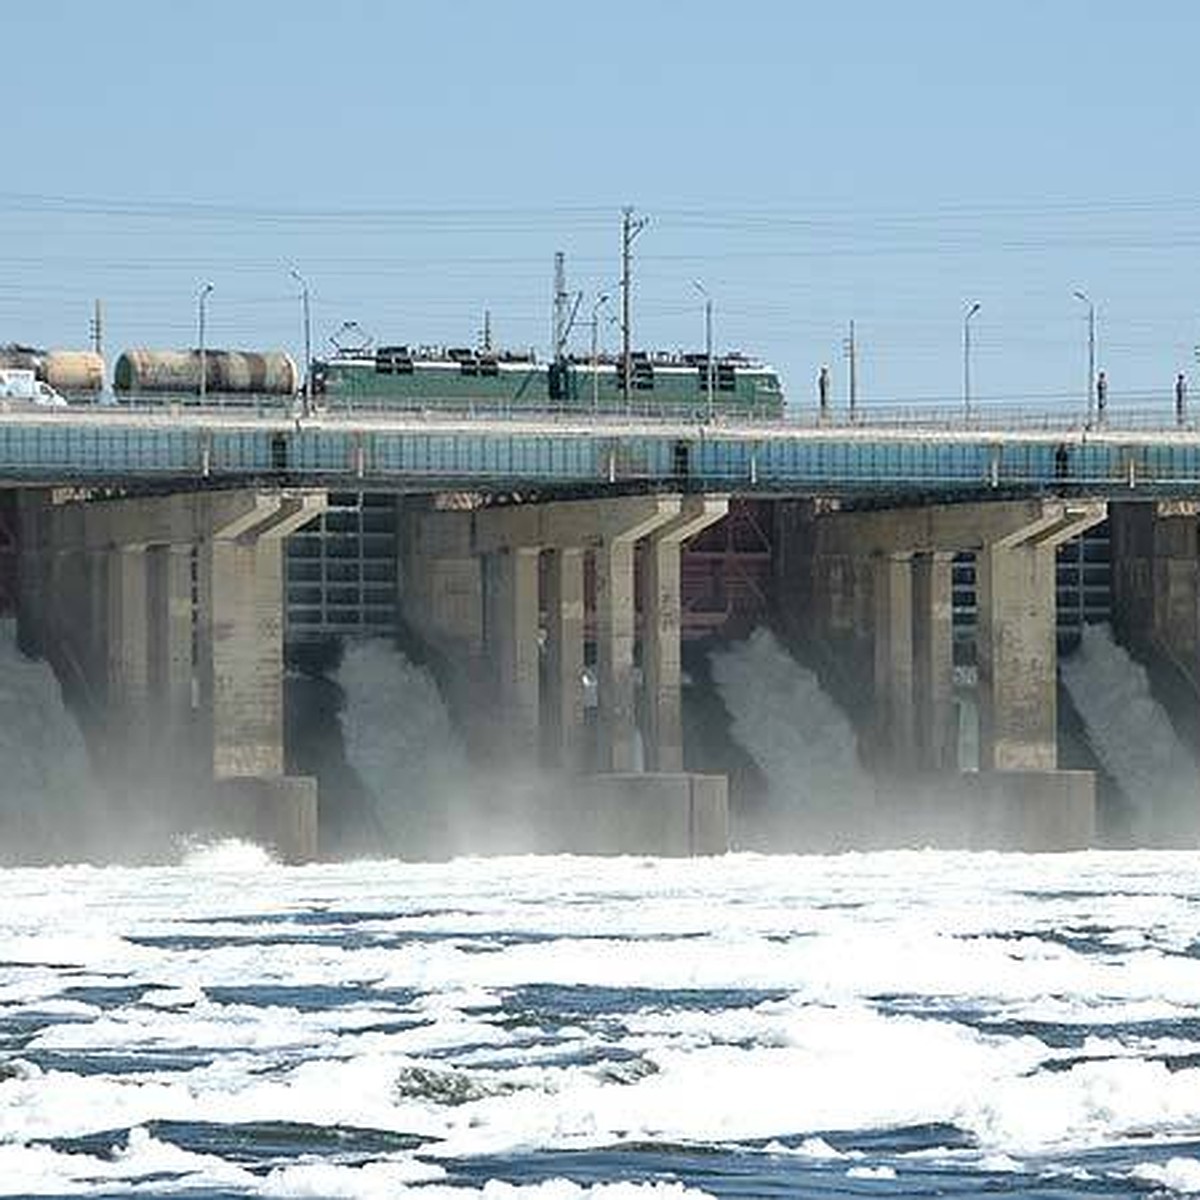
(600, 302)
(971, 311)
(708, 344)
(203, 304)
(308, 395)
(1091, 387)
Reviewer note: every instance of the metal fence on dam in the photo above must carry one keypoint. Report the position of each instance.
(118, 448)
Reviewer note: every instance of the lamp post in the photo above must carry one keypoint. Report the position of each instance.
(708, 344)
(203, 304)
(600, 302)
(971, 311)
(1091, 387)
(308, 394)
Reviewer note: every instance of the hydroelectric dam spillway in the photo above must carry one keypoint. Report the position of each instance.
(163, 584)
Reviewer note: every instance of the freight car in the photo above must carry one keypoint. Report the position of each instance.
(244, 374)
(433, 378)
(71, 372)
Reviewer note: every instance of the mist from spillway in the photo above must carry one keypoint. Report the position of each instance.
(49, 810)
(400, 740)
(1134, 740)
(818, 793)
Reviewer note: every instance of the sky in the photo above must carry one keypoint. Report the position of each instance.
(420, 163)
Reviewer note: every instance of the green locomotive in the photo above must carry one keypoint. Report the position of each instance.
(506, 382)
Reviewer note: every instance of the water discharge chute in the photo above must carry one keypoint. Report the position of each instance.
(1134, 740)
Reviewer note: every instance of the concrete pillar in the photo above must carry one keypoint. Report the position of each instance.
(1175, 573)
(240, 628)
(661, 618)
(614, 653)
(611, 528)
(126, 639)
(1017, 657)
(169, 655)
(514, 630)
(933, 661)
(563, 738)
(893, 642)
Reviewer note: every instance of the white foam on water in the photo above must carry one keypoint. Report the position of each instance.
(423, 1044)
(1177, 1174)
(226, 854)
(1134, 739)
(804, 744)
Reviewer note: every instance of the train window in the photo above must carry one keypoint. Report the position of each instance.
(489, 366)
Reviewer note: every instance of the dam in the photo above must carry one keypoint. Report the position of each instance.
(554, 572)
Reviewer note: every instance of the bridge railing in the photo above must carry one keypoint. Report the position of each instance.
(1130, 410)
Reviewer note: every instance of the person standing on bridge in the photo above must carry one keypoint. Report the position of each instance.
(1101, 397)
(1180, 399)
(823, 394)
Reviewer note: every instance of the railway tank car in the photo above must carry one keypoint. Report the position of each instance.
(69, 372)
(234, 373)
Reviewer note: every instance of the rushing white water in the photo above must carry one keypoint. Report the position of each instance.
(800, 739)
(1134, 739)
(399, 738)
(910, 1023)
(48, 806)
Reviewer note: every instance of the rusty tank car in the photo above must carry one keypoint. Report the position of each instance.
(226, 372)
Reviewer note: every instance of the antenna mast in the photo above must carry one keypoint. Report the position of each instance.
(566, 308)
(97, 329)
(630, 228)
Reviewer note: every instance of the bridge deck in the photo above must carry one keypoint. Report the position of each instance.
(107, 446)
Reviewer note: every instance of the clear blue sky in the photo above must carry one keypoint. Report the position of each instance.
(420, 162)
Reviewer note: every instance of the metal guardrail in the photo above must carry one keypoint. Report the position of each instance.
(1141, 411)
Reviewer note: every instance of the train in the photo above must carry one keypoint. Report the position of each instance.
(463, 378)
(423, 379)
(66, 371)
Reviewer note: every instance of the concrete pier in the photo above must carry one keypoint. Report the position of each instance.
(908, 630)
(529, 572)
(175, 697)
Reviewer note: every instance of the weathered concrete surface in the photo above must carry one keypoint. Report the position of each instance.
(1156, 578)
(935, 730)
(895, 745)
(1031, 811)
(659, 814)
(279, 813)
(661, 628)
(563, 707)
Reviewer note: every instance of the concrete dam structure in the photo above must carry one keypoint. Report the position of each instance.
(559, 615)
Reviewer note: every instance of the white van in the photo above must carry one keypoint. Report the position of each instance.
(18, 384)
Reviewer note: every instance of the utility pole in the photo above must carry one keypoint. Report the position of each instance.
(630, 227)
(601, 300)
(971, 311)
(1091, 388)
(851, 347)
(308, 392)
(487, 331)
(708, 345)
(203, 301)
(560, 305)
(98, 327)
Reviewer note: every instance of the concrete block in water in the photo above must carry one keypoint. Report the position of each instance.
(672, 815)
(279, 813)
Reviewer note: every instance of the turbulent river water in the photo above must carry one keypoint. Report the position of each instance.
(908, 1023)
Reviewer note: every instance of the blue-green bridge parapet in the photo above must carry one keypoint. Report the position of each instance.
(193, 447)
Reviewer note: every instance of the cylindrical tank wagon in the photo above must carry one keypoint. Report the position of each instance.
(66, 371)
(226, 372)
